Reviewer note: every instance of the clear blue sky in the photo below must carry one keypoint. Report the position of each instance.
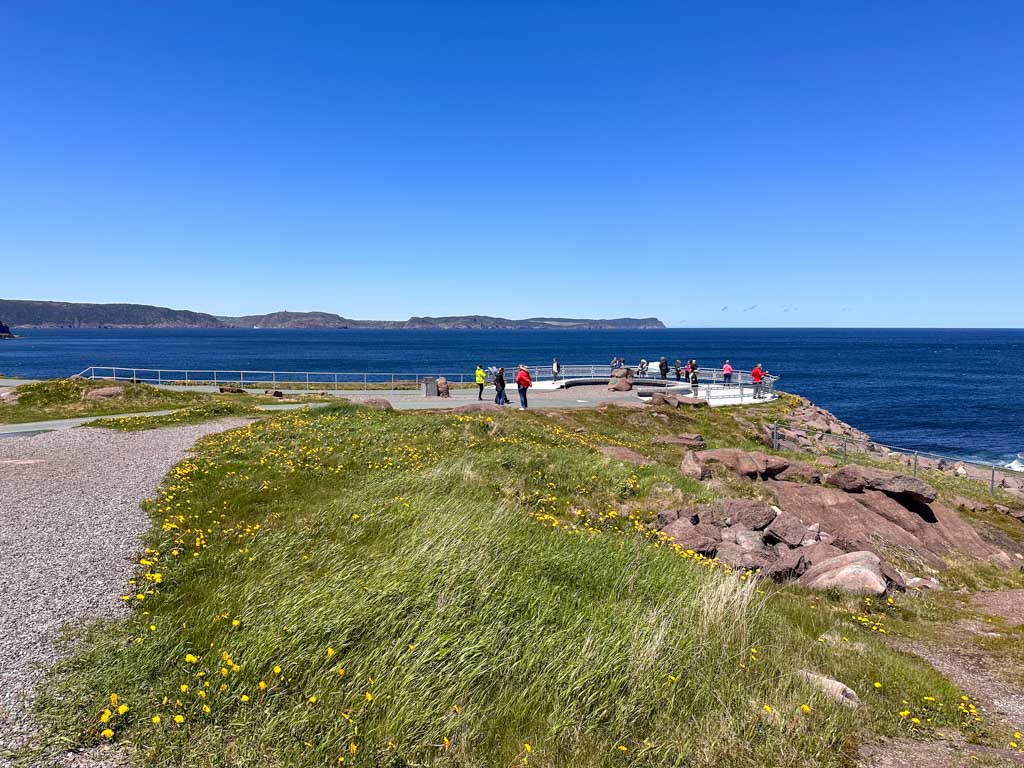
(717, 164)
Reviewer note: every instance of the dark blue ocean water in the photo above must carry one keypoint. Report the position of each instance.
(945, 391)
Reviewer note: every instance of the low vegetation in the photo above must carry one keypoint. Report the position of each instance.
(69, 399)
(195, 414)
(349, 586)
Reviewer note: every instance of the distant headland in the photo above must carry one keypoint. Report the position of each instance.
(59, 314)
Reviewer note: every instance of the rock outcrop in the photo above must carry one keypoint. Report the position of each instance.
(5, 331)
(621, 380)
(829, 531)
(858, 573)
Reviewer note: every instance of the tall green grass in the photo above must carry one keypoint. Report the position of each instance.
(464, 591)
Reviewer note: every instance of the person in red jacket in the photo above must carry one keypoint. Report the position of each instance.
(757, 374)
(524, 382)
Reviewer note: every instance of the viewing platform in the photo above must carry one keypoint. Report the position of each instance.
(575, 386)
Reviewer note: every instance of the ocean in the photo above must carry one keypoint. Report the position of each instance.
(946, 391)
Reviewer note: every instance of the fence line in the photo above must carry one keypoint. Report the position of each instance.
(395, 381)
(914, 456)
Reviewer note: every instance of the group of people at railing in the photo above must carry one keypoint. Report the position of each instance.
(688, 372)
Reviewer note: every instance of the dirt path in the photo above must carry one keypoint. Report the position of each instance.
(960, 655)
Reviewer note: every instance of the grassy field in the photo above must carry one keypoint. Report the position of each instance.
(350, 586)
(64, 399)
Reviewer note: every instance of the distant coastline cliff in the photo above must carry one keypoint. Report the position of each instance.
(57, 314)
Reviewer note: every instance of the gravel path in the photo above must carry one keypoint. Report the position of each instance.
(70, 529)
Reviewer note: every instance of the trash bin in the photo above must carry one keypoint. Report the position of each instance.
(428, 386)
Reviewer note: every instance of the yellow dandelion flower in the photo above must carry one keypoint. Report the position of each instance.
(447, 744)
(330, 652)
(183, 688)
(312, 699)
(179, 719)
(244, 698)
(369, 696)
(114, 699)
(767, 708)
(105, 716)
(155, 719)
(190, 659)
(528, 748)
(805, 708)
(122, 709)
(106, 733)
(622, 748)
(277, 670)
(353, 748)
(263, 685)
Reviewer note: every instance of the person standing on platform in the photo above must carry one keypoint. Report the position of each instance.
(499, 387)
(523, 382)
(757, 375)
(481, 379)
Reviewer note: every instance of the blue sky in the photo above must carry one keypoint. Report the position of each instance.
(715, 164)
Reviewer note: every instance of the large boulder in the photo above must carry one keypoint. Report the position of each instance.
(736, 556)
(703, 539)
(752, 464)
(854, 478)
(790, 565)
(621, 380)
(800, 471)
(380, 403)
(693, 468)
(752, 514)
(857, 521)
(5, 331)
(102, 393)
(787, 528)
(857, 573)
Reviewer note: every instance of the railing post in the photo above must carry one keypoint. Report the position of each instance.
(159, 377)
(992, 482)
(844, 447)
(915, 463)
(307, 381)
(775, 436)
(186, 378)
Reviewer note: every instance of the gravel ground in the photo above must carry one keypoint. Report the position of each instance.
(70, 530)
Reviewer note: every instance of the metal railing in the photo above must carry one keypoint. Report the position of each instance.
(843, 445)
(712, 382)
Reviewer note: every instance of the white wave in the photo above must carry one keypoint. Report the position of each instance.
(1017, 465)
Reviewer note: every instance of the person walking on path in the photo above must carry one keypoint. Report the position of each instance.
(727, 372)
(757, 374)
(556, 369)
(694, 370)
(499, 387)
(524, 382)
(481, 378)
(663, 367)
(679, 370)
